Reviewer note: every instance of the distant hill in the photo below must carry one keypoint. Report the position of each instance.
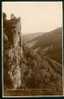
(49, 43)
(42, 38)
(53, 37)
(31, 36)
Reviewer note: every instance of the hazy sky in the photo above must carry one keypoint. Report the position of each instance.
(36, 16)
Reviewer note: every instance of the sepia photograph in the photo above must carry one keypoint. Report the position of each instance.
(32, 49)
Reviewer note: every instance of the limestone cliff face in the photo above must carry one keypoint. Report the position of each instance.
(12, 51)
(14, 66)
